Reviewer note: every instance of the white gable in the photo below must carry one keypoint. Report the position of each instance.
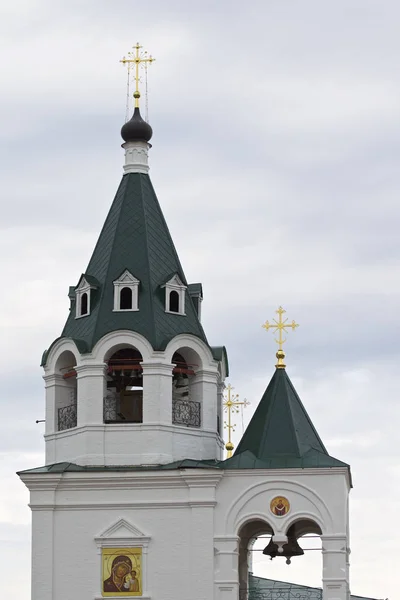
(83, 285)
(122, 534)
(122, 529)
(175, 282)
(127, 278)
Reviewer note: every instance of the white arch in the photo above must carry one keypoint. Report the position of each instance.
(60, 346)
(186, 340)
(237, 514)
(300, 515)
(116, 340)
(254, 516)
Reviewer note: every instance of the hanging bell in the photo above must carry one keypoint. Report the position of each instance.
(291, 548)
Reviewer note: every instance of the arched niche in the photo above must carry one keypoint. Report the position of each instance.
(247, 534)
(123, 402)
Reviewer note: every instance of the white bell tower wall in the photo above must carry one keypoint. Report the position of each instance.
(162, 436)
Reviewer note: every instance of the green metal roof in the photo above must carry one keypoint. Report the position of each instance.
(280, 433)
(271, 589)
(135, 237)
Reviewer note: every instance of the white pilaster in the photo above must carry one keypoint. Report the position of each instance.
(91, 392)
(54, 385)
(204, 389)
(226, 582)
(157, 393)
(335, 570)
(136, 157)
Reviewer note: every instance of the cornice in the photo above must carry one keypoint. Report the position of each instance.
(178, 505)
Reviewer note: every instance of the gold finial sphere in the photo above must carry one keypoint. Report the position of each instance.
(280, 355)
(136, 94)
(229, 446)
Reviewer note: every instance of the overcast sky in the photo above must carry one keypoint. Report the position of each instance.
(275, 159)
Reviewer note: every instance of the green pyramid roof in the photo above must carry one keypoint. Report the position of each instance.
(280, 433)
(135, 237)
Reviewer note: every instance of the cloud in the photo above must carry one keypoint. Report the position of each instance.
(275, 159)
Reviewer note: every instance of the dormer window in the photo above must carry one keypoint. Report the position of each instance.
(84, 304)
(83, 293)
(175, 296)
(126, 292)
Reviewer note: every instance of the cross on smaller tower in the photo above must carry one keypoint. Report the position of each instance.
(231, 404)
(137, 59)
(280, 326)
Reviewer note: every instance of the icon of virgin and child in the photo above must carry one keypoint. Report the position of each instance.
(123, 578)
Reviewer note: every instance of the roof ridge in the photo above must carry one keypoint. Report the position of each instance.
(289, 381)
(288, 389)
(146, 235)
(103, 287)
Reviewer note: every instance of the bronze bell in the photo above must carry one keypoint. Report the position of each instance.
(291, 548)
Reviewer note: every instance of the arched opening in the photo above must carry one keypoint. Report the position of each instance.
(124, 399)
(248, 533)
(186, 410)
(66, 392)
(125, 299)
(270, 569)
(174, 301)
(84, 304)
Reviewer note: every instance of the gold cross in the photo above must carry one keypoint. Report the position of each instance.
(137, 59)
(280, 326)
(231, 404)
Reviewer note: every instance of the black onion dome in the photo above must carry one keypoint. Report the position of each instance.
(136, 130)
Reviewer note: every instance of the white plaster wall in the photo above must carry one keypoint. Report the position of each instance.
(190, 517)
(131, 444)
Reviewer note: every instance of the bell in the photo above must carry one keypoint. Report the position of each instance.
(291, 548)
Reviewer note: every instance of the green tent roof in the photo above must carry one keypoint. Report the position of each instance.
(135, 237)
(280, 433)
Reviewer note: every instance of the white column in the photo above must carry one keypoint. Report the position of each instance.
(91, 393)
(204, 389)
(54, 384)
(157, 393)
(226, 562)
(335, 570)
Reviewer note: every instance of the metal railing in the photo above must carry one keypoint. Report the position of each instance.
(67, 417)
(186, 412)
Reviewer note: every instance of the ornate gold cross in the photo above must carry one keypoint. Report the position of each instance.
(231, 404)
(280, 326)
(137, 58)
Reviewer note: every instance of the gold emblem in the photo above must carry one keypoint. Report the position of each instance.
(280, 506)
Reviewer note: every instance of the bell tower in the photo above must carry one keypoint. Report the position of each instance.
(132, 379)
(135, 498)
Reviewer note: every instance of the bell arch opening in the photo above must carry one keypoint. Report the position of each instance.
(123, 402)
(186, 407)
(66, 392)
(299, 563)
(248, 533)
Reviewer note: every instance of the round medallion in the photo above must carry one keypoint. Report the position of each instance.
(280, 506)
